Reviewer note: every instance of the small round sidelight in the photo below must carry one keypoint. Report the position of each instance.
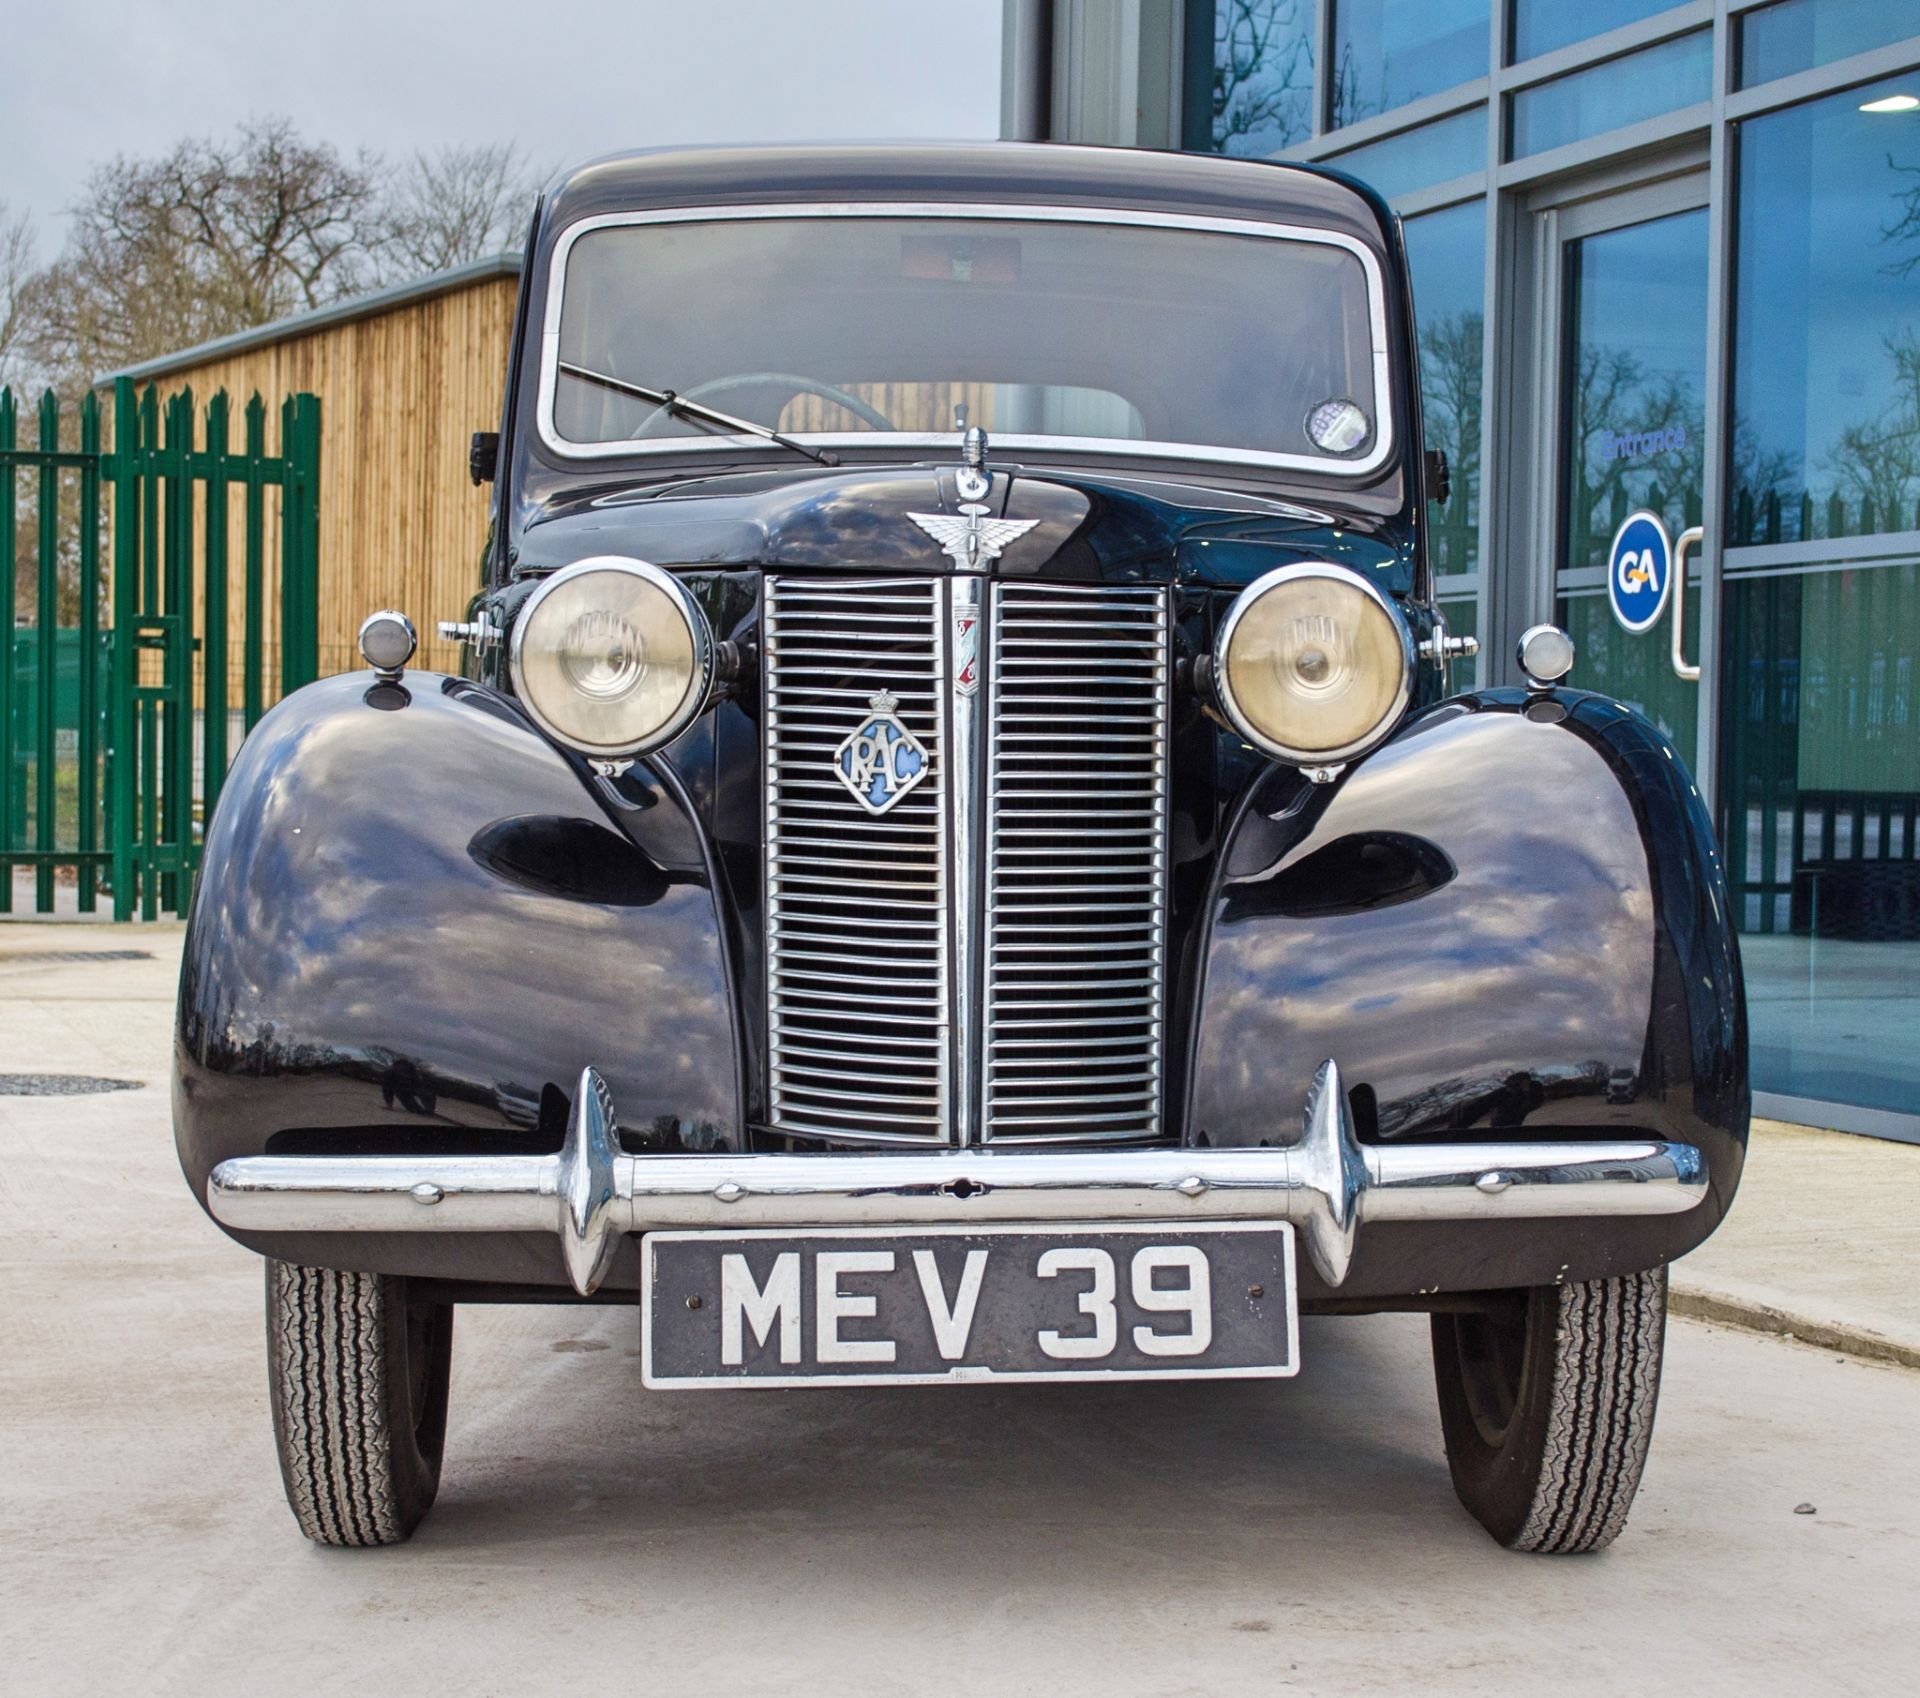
(1338, 427)
(387, 642)
(1546, 655)
(612, 657)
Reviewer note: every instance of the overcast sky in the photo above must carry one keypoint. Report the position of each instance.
(568, 79)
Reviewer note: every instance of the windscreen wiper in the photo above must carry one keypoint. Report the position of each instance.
(681, 407)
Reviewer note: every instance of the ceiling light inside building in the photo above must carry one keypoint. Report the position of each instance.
(1893, 103)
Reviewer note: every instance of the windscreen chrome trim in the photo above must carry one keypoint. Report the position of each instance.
(1029, 212)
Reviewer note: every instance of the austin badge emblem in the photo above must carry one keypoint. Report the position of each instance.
(882, 760)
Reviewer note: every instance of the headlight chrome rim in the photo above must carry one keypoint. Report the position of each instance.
(700, 686)
(1222, 672)
(382, 623)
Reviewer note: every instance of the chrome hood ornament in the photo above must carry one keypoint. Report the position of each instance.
(972, 538)
(974, 478)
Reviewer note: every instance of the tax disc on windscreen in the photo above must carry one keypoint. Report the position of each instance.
(1639, 571)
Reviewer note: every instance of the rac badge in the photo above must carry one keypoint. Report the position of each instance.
(882, 760)
(970, 539)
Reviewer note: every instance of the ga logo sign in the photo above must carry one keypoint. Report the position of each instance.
(1639, 571)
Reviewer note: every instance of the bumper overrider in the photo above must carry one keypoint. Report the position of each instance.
(591, 1194)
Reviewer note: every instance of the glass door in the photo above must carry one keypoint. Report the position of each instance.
(1630, 438)
(1819, 722)
(1819, 804)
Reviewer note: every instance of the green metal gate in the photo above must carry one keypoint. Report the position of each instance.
(152, 562)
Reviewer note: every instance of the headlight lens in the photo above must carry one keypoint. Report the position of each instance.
(1315, 664)
(612, 656)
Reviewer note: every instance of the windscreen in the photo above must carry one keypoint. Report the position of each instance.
(828, 326)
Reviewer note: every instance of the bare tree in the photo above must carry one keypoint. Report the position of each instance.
(18, 293)
(1657, 425)
(217, 235)
(1450, 370)
(209, 238)
(1349, 106)
(452, 206)
(1605, 384)
(1877, 461)
(1262, 76)
(1905, 228)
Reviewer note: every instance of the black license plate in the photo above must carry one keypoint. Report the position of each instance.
(886, 1306)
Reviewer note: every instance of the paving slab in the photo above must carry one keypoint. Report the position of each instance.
(1823, 1242)
(82, 998)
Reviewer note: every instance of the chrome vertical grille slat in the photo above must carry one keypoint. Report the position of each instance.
(1076, 806)
(870, 1063)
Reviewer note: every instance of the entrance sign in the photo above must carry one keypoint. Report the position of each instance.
(1639, 571)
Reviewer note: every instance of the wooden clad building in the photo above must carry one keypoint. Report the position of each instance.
(405, 376)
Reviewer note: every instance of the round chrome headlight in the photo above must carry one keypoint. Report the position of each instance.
(612, 657)
(1315, 665)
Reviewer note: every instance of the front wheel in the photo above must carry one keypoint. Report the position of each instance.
(1546, 1402)
(358, 1379)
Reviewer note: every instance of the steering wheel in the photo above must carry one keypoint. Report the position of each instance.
(770, 380)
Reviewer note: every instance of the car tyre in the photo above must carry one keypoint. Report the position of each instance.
(358, 1377)
(1546, 1403)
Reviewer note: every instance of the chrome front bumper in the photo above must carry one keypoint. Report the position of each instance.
(591, 1194)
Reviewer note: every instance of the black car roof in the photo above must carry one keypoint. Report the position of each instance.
(1036, 172)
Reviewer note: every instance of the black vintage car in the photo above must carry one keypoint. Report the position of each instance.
(953, 857)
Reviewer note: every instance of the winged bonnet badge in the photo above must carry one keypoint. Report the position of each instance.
(972, 537)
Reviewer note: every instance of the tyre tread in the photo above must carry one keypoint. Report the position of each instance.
(1605, 1377)
(327, 1333)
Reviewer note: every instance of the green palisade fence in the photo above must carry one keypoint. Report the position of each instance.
(117, 680)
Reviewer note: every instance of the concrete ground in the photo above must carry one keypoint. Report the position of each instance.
(1823, 1242)
(1167, 1539)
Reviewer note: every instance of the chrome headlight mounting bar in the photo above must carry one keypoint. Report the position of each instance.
(592, 1193)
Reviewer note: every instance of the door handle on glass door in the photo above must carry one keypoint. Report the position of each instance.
(1689, 538)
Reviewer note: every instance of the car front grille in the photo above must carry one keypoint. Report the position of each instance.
(1076, 862)
(1067, 804)
(857, 938)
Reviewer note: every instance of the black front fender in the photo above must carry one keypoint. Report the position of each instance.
(1509, 922)
(416, 921)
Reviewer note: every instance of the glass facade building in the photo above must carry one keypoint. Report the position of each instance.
(1666, 257)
